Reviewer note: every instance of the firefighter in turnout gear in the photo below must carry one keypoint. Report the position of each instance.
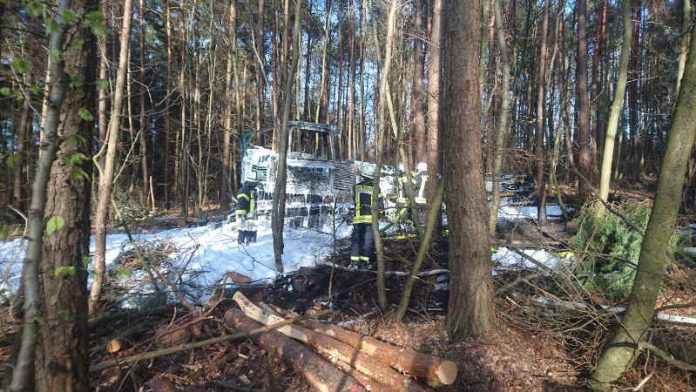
(246, 213)
(362, 240)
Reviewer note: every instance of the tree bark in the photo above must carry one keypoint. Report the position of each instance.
(60, 195)
(260, 72)
(583, 102)
(279, 192)
(433, 120)
(321, 375)
(654, 258)
(503, 115)
(617, 104)
(106, 175)
(418, 88)
(470, 306)
(539, 136)
(144, 131)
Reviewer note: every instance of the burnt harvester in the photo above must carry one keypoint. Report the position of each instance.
(319, 184)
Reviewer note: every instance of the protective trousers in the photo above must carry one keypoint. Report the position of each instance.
(362, 243)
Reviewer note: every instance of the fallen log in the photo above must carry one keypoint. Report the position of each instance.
(183, 347)
(435, 370)
(332, 348)
(319, 373)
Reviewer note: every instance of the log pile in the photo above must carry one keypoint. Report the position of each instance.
(333, 359)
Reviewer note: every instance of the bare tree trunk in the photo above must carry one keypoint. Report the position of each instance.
(381, 134)
(619, 92)
(633, 114)
(106, 175)
(279, 194)
(418, 89)
(686, 23)
(167, 120)
(225, 189)
(623, 349)
(144, 132)
(323, 107)
(433, 120)
(471, 308)
(183, 145)
(539, 136)
(503, 115)
(351, 82)
(260, 72)
(60, 198)
(103, 76)
(583, 102)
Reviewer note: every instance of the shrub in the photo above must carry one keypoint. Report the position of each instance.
(609, 248)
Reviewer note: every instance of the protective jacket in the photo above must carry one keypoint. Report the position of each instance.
(246, 213)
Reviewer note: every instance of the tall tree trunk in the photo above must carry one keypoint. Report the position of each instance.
(54, 270)
(351, 82)
(379, 148)
(106, 174)
(169, 179)
(225, 188)
(617, 104)
(623, 349)
(418, 89)
(503, 115)
(433, 121)
(103, 76)
(471, 308)
(633, 113)
(183, 145)
(279, 194)
(539, 136)
(323, 107)
(686, 23)
(260, 72)
(583, 102)
(144, 128)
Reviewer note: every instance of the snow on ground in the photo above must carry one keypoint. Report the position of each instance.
(217, 252)
(512, 212)
(533, 259)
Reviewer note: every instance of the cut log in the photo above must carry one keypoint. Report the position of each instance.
(332, 348)
(435, 370)
(320, 374)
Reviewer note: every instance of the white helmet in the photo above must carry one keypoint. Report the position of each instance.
(422, 167)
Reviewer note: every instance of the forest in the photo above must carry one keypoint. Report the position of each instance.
(534, 162)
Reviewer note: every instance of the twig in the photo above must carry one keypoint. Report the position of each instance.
(439, 271)
(185, 347)
(665, 356)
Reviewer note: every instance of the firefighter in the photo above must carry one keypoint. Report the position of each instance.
(420, 181)
(362, 241)
(246, 213)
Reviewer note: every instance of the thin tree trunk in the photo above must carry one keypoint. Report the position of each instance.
(623, 349)
(225, 189)
(260, 72)
(279, 192)
(616, 106)
(503, 115)
(582, 98)
(144, 133)
(381, 134)
(433, 120)
(323, 106)
(418, 89)
(106, 175)
(103, 76)
(351, 83)
(686, 23)
(633, 114)
(167, 119)
(539, 137)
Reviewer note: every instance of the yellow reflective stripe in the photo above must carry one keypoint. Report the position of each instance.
(364, 258)
(241, 212)
(252, 204)
(362, 219)
(354, 258)
(243, 196)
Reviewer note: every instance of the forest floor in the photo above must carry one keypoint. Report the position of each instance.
(539, 346)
